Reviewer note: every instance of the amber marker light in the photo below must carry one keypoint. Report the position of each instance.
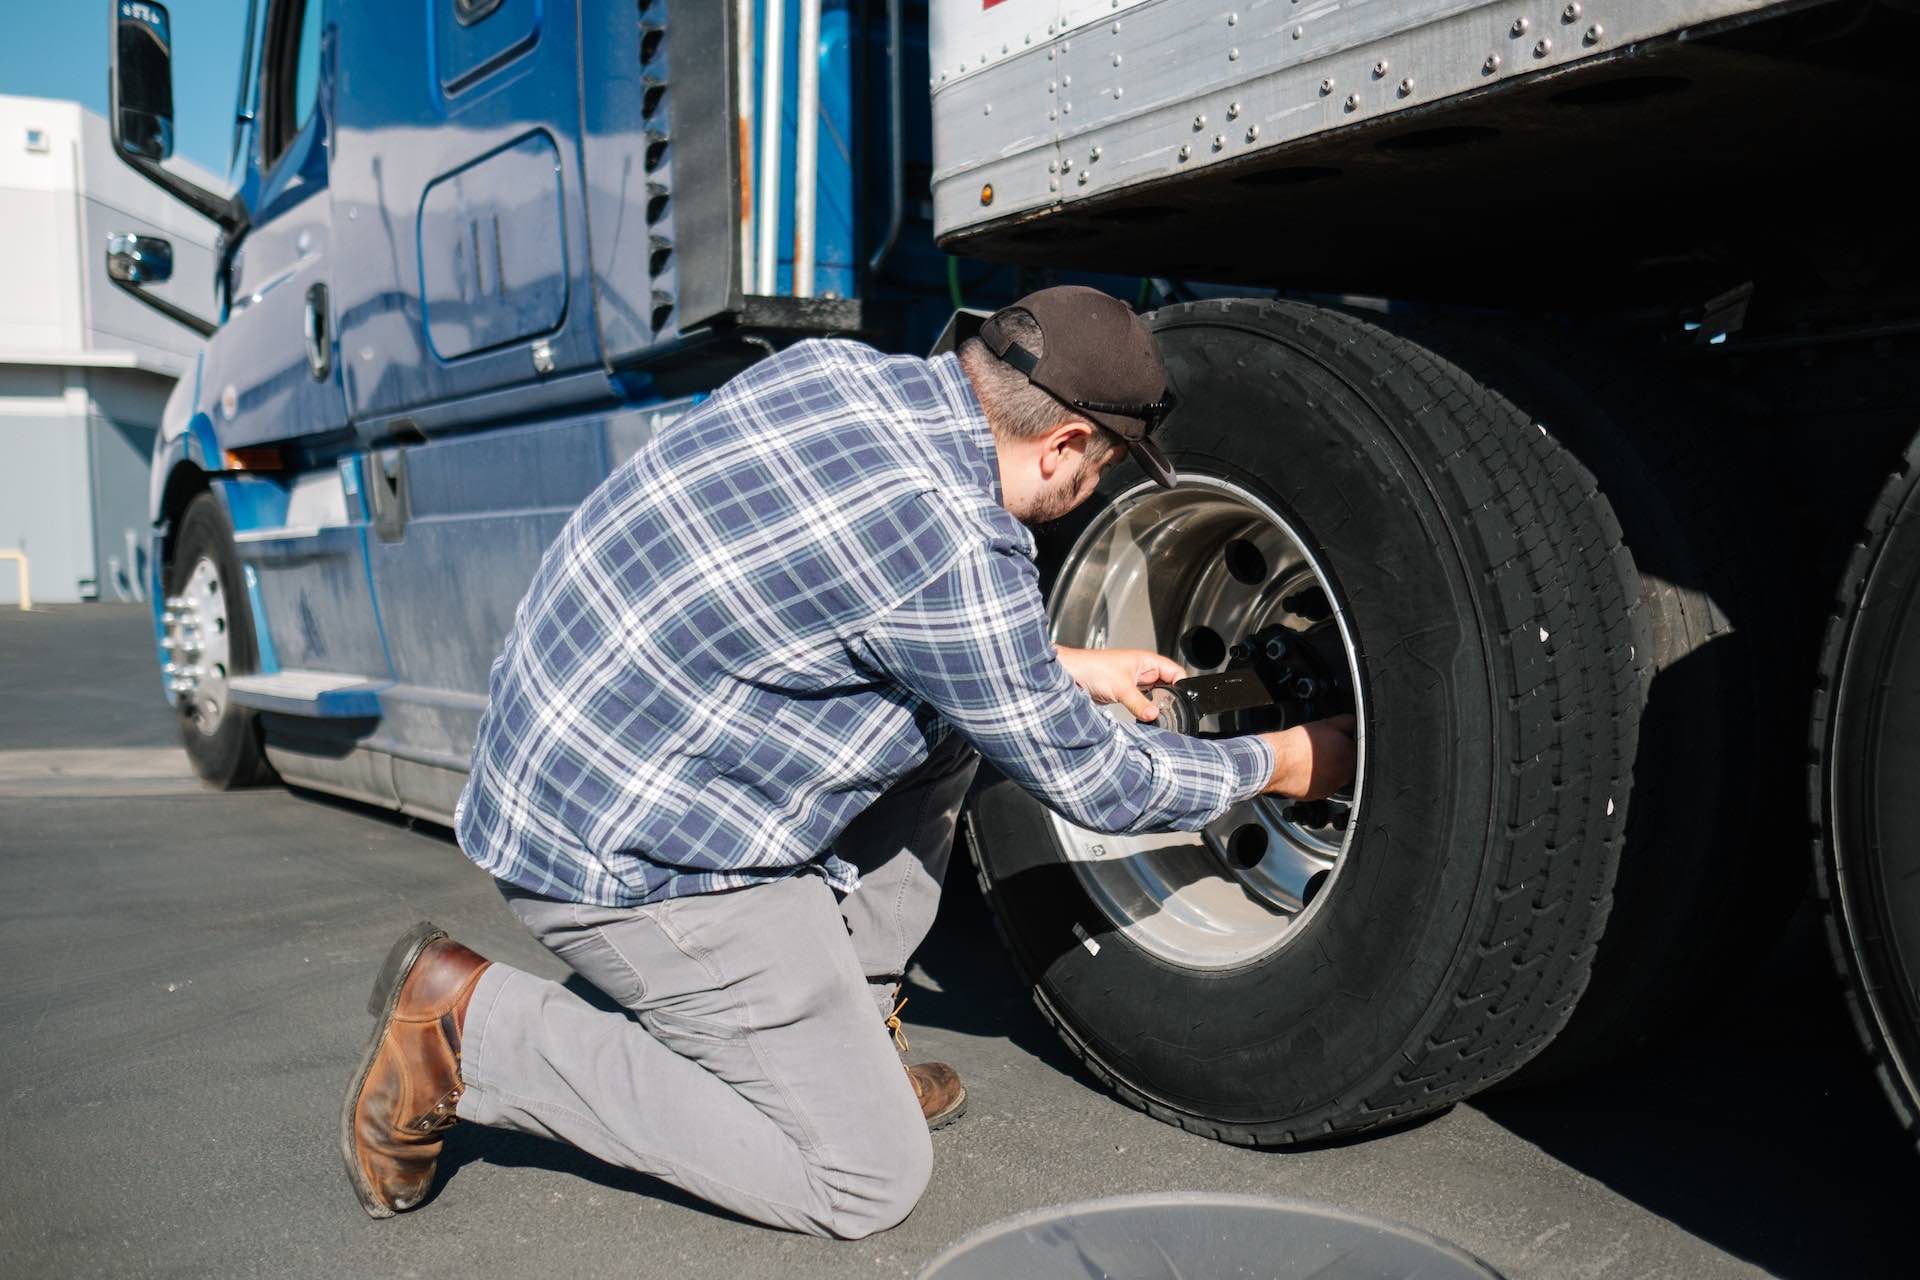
(263, 459)
(986, 193)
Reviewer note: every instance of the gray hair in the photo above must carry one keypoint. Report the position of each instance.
(1015, 407)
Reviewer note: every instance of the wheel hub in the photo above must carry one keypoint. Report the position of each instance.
(1208, 573)
(197, 646)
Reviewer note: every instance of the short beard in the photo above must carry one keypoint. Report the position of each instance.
(1053, 506)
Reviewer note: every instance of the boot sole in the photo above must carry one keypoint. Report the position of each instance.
(947, 1117)
(380, 1003)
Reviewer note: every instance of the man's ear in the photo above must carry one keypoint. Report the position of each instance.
(1062, 446)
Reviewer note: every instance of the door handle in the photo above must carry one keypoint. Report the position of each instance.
(314, 329)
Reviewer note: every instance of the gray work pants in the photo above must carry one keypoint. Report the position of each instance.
(755, 1072)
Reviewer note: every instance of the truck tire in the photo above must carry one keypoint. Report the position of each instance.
(1707, 878)
(1865, 807)
(210, 639)
(1488, 617)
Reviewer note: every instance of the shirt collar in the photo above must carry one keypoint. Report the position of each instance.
(971, 443)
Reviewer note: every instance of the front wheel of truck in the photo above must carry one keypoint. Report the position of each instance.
(209, 640)
(1422, 551)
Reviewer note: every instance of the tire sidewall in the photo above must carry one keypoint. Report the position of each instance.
(1321, 1019)
(1871, 854)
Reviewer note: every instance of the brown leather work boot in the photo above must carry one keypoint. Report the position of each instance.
(943, 1099)
(402, 1097)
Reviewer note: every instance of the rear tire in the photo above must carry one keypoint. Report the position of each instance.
(222, 739)
(1492, 612)
(1708, 877)
(1866, 808)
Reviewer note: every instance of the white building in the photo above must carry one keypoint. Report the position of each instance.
(84, 368)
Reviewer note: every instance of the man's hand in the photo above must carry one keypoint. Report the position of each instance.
(1120, 675)
(1312, 761)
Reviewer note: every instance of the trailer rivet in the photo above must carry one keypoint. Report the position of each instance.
(1185, 152)
(1116, 59)
(987, 110)
(1219, 141)
(1233, 19)
(1379, 68)
(1571, 13)
(1594, 33)
(1053, 184)
(1233, 55)
(1053, 86)
(1053, 166)
(1052, 115)
(1406, 87)
(1066, 81)
(1116, 28)
(1353, 102)
(1519, 26)
(1117, 91)
(1543, 48)
(1298, 32)
(1326, 86)
(986, 193)
(1491, 65)
(543, 357)
(1200, 121)
(1233, 111)
(1083, 177)
(1253, 131)
(1066, 106)
(1093, 153)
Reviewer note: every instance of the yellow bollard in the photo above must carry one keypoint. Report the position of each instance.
(26, 587)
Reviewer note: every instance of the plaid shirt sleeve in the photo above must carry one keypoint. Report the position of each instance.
(973, 644)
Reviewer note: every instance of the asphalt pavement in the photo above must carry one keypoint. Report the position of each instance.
(183, 998)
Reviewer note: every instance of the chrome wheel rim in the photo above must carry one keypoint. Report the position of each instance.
(198, 647)
(1158, 569)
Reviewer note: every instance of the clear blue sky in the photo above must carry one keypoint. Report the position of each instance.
(58, 49)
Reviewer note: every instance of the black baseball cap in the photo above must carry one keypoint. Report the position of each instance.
(1099, 359)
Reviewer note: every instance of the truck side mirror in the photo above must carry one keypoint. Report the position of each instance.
(143, 79)
(135, 261)
(138, 259)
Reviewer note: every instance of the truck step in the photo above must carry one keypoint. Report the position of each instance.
(310, 693)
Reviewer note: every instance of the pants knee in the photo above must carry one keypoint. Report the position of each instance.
(882, 1191)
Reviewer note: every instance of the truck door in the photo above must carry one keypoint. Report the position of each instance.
(457, 198)
(270, 375)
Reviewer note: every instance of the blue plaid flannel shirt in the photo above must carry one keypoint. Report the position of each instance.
(768, 615)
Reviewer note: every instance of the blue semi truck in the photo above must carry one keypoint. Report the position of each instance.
(1541, 367)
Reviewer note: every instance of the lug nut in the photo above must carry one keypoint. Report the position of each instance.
(1305, 687)
(1275, 648)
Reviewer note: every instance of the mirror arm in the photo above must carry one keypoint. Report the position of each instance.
(176, 314)
(228, 211)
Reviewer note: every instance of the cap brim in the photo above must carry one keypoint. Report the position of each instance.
(1153, 462)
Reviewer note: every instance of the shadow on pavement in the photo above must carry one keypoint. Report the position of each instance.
(1763, 1132)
